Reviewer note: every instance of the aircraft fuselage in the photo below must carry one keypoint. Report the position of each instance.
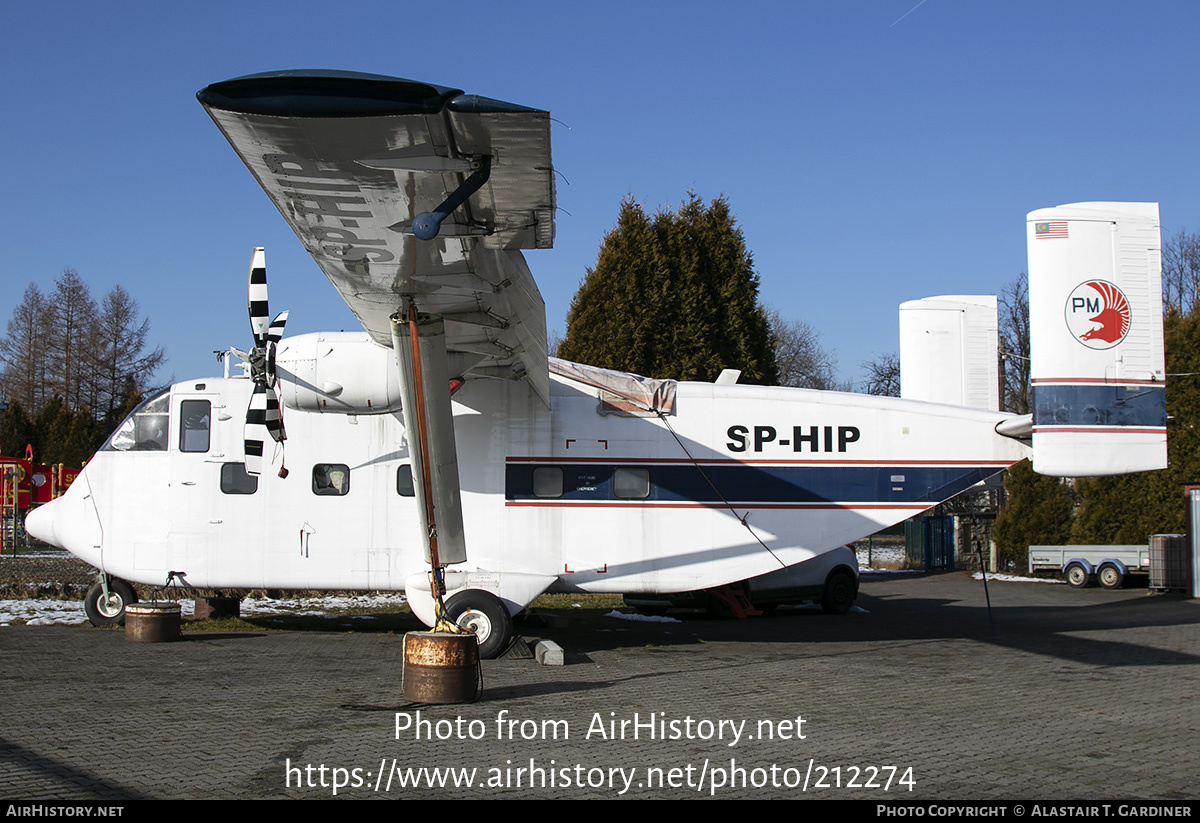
(738, 481)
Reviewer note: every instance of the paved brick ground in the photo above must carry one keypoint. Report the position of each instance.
(1078, 694)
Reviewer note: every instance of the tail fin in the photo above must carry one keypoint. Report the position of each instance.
(1095, 298)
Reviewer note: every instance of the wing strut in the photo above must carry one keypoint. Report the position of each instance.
(429, 430)
(426, 225)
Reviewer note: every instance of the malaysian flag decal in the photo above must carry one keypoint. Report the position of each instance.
(1050, 231)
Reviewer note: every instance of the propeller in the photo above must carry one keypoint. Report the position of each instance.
(262, 415)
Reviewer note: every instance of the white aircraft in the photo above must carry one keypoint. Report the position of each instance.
(375, 460)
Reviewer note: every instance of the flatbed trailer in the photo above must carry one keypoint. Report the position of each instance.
(1109, 565)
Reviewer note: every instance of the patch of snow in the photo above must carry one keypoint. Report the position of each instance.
(816, 607)
(1015, 578)
(316, 606)
(878, 555)
(642, 618)
(45, 612)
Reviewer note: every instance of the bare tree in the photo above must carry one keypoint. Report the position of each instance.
(60, 345)
(73, 312)
(883, 375)
(799, 357)
(554, 339)
(121, 362)
(1014, 344)
(1181, 272)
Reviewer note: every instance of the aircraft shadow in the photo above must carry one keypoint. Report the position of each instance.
(923, 608)
(67, 780)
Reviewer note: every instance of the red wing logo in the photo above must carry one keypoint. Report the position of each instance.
(1098, 314)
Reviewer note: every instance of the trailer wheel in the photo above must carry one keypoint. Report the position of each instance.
(484, 613)
(108, 611)
(1076, 575)
(1110, 577)
(839, 594)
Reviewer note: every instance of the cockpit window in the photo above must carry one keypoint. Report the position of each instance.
(194, 417)
(147, 429)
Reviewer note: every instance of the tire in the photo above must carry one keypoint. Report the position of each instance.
(487, 615)
(1110, 577)
(838, 596)
(1076, 575)
(110, 612)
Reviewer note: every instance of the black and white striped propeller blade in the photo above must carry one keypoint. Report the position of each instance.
(262, 415)
(256, 296)
(256, 427)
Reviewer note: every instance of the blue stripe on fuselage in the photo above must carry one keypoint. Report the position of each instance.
(745, 484)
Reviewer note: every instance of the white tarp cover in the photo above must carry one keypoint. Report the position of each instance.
(646, 392)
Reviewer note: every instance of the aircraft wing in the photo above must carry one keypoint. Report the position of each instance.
(350, 160)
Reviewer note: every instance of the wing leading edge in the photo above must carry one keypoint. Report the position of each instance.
(351, 159)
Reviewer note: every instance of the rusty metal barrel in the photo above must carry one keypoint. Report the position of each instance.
(152, 622)
(441, 668)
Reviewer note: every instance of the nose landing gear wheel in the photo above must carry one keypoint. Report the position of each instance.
(110, 610)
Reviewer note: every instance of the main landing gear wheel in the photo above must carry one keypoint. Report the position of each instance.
(1076, 575)
(108, 611)
(486, 615)
(838, 596)
(1110, 577)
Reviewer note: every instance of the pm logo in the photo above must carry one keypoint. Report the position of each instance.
(1098, 314)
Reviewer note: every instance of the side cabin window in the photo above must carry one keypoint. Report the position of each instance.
(631, 484)
(331, 479)
(146, 428)
(404, 481)
(195, 417)
(547, 481)
(235, 480)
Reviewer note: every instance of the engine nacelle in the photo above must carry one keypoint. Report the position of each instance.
(341, 372)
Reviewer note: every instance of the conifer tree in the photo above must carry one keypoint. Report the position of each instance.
(16, 431)
(82, 440)
(1130, 508)
(1038, 512)
(51, 428)
(673, 296)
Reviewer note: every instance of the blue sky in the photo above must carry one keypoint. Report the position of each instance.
(874, 152)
